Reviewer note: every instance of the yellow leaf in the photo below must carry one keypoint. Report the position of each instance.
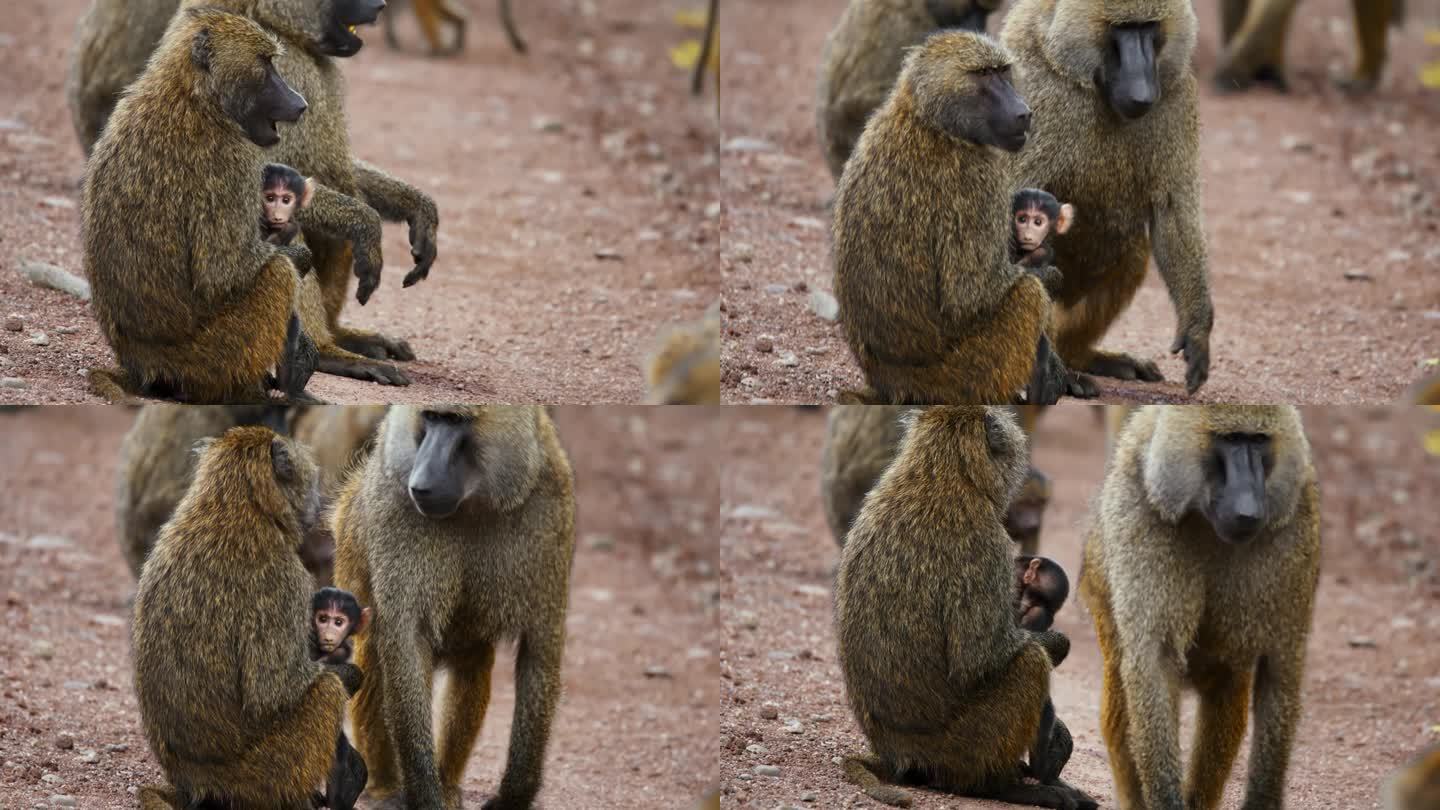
(685, 54)
(1432, 36)
(1432, 446)
(1431, 362)
(1430, 75)
(691, 18)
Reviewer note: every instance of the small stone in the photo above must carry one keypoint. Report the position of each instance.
(747, 619)
(769, 711)
(810, 223)
(68, 330)
(42, 649)
(14, 325)
(13, 382)
(1358, 275)
(608, 253)
(809, 796)
(48, 275)
(712, 211)
(40, 339)
(776, 289)
(544, 124)
(599, 542)
(107, 620)
(61, 800)
(50, 779)
(756, 748)
(1398, 255)
(47, 541)
(766, 770)
(743, 144)
(742, 252)
(1295, 143)
(89, 757)
(787, 359)
(764, 343)
(57, 202)
(750, 511)
(793, 727)
(75, 685)
(657, 671)
(64, 741)
(117, 748)
(837, 761)
(1298, 197)
(824, 305)
(1362, 642)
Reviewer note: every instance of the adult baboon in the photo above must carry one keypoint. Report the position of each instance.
(112, 41)
(1117, 135)
(1217, 509)
(1253, 34)
(459, 531)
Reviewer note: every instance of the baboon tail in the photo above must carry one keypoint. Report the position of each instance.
(113, 384)
(861, 771)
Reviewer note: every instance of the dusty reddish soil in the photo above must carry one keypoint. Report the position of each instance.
(1366, 709)
(517, 307)
(1284, 225)
(643, 594)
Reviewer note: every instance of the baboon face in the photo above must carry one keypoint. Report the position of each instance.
(1235, 474)
(252, 92)
(1129, 49)
(445, 461)
(962, 86)
(339, 37)
(1128, 76)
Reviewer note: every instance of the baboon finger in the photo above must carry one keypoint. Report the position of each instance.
(1081, 386)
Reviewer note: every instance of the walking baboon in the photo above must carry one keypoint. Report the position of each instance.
(1253, 34)
(940, 315)
(684, 368)
(1218, 507)
(459, 531)
(232, 706)
(925, 622)
(157, 463)
(193, 302)
(112, 41)
(862, 58)
(1117, 135)
(1417, 785)
(431, 13)
(862, 440)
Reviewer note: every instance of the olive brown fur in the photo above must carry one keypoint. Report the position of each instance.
(491, 562)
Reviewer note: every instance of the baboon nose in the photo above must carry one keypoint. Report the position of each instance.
(419, 492)
(1023, 121)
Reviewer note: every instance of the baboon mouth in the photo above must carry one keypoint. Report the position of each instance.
(344, 39)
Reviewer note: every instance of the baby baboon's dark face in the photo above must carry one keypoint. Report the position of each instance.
(340, 38)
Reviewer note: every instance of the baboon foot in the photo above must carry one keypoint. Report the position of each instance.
(1228, 80)
(1124, 367)
(368, 370)
(1057, 797)
(1080, 386)
(375, 346)
(1272, 76)
(1356, 84)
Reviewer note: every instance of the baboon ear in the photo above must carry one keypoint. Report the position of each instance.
(1066, 218)
(995, 435)
(201, 50)
(281, 460)
(364, 623)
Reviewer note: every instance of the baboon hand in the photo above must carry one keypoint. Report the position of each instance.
(422, 243)
(299, 256)
(1051, 277)
(369, 275)
(350, 675)
(1194, 341)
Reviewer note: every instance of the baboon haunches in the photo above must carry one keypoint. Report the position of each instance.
(459, 531)
(1117, 134)
(1218, 509)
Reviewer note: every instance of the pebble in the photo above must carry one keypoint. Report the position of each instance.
(1358, 275)
(1362, 642)
(608, 253)
(89, 757)
(748, 619)
(57, 202)
(64, 741)
(599, 542)
(824, 305)
(809, 796)
(48, 275)
(776, 289)
(766, 770)
(794, 727)
(61, 800)
(42, 649)
(50, 779)
(13, 382)
(14, 324)
(68, 330)
(75, 685)
(743, 144)
(808, 222)
(712, 211)
(756, 748)
(1295, 143)
(742, 252)
(117, 748)
(107, 620)
(543, 124)
(769, 711)
(787, 359)
(764, 343)
(657, 671)
(40, 339)
(753, 512)
(47, 541)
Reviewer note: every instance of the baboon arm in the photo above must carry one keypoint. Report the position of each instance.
(1152, 709)
(1177, 230)
(968, 294)
(223, 270)
(1277, 711)
(275, 666)
(537, 689)
(398, 201)
(344, 218)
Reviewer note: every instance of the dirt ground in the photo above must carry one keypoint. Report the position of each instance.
(1300, 190)
(589, 143)
(643, 595)
(1367, 708)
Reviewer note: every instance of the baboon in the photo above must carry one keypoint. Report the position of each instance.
(1219, 508)
(431, 13)
(862, 58)
(684, 367)
(1417, 785)
(1117, 135)
(941, 315)
(925, 623)
(1037, 219)
(282, 192)
(862, 440)
(194, 303)
(1253, 35)
(232, 706)
(112, 41)
(459, 531)
(157, 463)
(343, 223)
(340, 437)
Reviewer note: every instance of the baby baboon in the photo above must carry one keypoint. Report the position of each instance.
(941, 315)
(926, 624)
(232, 706)
(1041, 588)
(684, 368)
(1117, 131)
(862, 440)
(193, 302)
(1417, 785)
(112, 41)
(459, 531)
(431, 13)
(283, 193)
(1253, 34)
(1219, 507)
(157, 463)
(862, 58)
(1036, 219)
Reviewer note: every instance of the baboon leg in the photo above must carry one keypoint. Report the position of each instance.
(1055, 796)
(1277, 711)
(1114, 716)
(463, 714)
(1051, 748)
(409, 672)
(1123, 367)
(367, 716)
(298, 363)
(537, 690)
(1371, 19)
(342, 363)
(507, 21)
(1265, 22)
(1080, 327)
(1232, 15)
(347, 779)
(373, 344)
(1220, 727)
(865, 772)
(457, 19)
(427, 12)
(390, 38)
